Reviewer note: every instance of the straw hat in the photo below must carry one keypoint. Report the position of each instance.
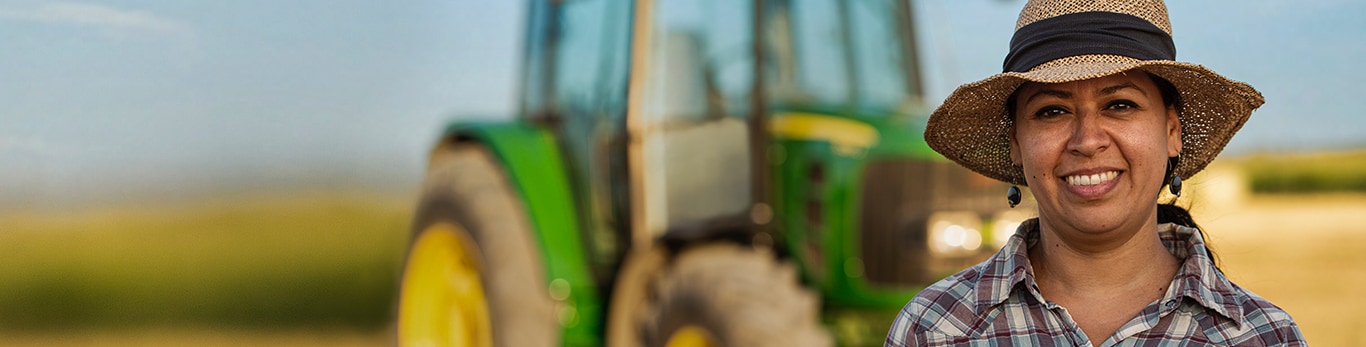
(1059, 41)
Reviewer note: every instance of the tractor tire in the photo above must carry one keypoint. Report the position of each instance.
(712, 295)
(466, 192)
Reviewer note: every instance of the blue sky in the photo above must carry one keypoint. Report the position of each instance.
(1303, 56)
(108, 99)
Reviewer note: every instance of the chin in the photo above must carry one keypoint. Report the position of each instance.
(1096, 221)
(1096, 228)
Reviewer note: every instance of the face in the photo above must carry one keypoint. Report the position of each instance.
(1094, 152)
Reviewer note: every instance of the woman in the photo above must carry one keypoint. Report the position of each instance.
(1096, 117)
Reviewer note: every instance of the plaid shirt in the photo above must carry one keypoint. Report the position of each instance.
(997, 303)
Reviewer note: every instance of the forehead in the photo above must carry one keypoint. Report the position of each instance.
(1138, 79)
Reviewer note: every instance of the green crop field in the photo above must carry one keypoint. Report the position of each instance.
(1306, 173)
(312, 261)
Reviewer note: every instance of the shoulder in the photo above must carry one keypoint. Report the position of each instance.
(947, 306)
(1265, 322)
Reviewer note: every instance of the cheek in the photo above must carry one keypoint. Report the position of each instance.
(1146, 149)
(1037, 155)
(1153, 138)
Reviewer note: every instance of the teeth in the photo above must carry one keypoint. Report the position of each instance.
(1091, 180)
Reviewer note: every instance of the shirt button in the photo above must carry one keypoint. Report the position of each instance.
(1171, 304)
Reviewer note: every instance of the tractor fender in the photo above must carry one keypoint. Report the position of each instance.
(533, 162)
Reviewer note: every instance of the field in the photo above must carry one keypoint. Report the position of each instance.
(294, 267)
(178, 337)
(1338, 171)
(1306, 254)
(301, 269)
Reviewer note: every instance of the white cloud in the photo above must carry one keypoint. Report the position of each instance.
(107, 19)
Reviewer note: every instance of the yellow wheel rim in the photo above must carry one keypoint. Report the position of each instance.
(441, 302)
(691, 336)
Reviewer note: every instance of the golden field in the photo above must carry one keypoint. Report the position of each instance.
(1306, 254)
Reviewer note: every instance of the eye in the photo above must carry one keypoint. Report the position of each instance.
(1049, 112)
(1121, 105)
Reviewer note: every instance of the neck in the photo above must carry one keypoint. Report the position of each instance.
(1081, 262)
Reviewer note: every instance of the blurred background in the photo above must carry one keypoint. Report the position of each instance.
(243, 172)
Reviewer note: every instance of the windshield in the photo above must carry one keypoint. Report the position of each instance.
(849, 54)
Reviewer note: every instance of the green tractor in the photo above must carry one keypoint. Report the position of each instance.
(695, 173)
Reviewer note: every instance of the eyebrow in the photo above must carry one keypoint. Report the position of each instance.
(1116, 88)
(1103, 91)
(1054, 92)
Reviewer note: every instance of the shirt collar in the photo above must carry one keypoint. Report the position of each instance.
(1197, 279)
(1008, 268)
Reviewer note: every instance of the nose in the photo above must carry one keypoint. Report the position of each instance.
(1088, 135)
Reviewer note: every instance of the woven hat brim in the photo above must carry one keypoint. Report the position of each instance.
(971, 127)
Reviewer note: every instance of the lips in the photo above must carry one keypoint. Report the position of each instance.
(1092, 179)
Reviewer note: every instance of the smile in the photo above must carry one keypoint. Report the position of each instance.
(1092, 179)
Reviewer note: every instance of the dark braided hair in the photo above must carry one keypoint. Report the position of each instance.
(1169, 212)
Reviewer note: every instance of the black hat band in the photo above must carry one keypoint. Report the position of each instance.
(1084, 33)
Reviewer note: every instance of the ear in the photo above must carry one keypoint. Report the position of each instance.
(1014, 147)
(1173, 132)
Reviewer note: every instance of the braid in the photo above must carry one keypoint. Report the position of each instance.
(1168, 212)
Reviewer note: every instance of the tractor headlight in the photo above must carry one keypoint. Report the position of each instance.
(955, 233)
(1004, 226)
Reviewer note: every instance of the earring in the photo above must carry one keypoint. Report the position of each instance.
(1013, 196)
(1175, 186)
